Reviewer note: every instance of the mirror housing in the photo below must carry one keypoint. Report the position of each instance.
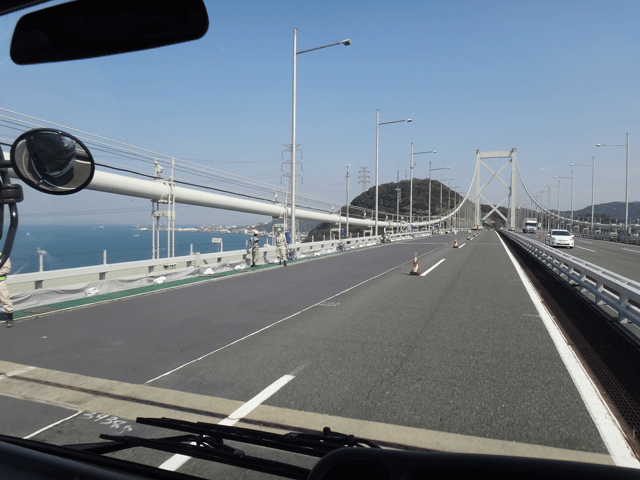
(92, 28)
(52, 161)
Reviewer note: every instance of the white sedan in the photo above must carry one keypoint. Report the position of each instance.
(559, 238)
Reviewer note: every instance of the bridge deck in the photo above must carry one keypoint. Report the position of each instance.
(372, 351)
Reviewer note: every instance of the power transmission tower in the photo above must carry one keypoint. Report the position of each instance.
(364, 171)
(290, 180)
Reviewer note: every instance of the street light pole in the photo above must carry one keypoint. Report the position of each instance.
(571, 178)
(542, 213)
(346, 42)
(431, 170)
(347, 178)
(593, 179)
(549, 203)
(455, 204)
(398, 201)
(626, 188)
(408, 120)
(445, 180)
(411, 186)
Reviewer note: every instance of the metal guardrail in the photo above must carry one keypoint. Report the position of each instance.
(26, 282)
(631, 240)
(607, 288)
(70, 276)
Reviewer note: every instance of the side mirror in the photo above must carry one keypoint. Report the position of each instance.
(52, 161)
(77, 30)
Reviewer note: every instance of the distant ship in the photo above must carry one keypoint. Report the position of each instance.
(41, 252)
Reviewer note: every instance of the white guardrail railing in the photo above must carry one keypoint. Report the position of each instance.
(26, 282)
(606, 288)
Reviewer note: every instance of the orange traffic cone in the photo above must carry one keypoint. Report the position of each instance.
(468, 236)
(455, 243)
(415, 268)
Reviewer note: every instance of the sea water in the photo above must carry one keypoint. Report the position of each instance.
(70, 246)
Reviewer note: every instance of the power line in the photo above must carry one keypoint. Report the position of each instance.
(130, 152)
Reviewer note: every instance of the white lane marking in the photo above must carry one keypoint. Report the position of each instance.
(423, 274)
(52, 425)
(629, 250)
(16, 372)
(178, 460)
(283, 319)
(585, 249)
(605, 422)
(462, 245)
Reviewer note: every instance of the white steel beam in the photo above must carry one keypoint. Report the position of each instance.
(159, 190)
(500, 154)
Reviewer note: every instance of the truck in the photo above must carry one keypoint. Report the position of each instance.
(530, 225)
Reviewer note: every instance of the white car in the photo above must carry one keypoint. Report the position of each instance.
(559, 238)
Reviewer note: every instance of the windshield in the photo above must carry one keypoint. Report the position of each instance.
(368, 285)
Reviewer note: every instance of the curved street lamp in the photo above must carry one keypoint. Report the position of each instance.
(593, 177)
(626, 189)
(432, 170)
(570, 178)
(346, 42)
(411, 187)
(408, 120)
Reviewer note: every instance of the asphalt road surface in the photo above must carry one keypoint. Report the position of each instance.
(457, 359)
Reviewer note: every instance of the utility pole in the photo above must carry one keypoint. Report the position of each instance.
(347, 178)
(364, 176)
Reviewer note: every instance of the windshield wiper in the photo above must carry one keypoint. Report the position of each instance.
(205, 441)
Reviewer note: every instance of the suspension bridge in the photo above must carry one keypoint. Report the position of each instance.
(490, 349)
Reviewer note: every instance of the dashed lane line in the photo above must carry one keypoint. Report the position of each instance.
(425, 273)
(37, 432)
(178, 460)
(284, 319)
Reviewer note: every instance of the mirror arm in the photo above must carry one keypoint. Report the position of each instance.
(9, 195)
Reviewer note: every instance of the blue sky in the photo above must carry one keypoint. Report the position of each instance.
(551, 79)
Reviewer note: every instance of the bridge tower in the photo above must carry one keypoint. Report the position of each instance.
(511, 197)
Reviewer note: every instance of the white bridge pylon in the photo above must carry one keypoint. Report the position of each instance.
(511, 197)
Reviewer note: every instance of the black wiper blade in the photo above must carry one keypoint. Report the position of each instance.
(206, 441)
(206, 448)
(316, 445)
(332, 440)
(171, 444)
